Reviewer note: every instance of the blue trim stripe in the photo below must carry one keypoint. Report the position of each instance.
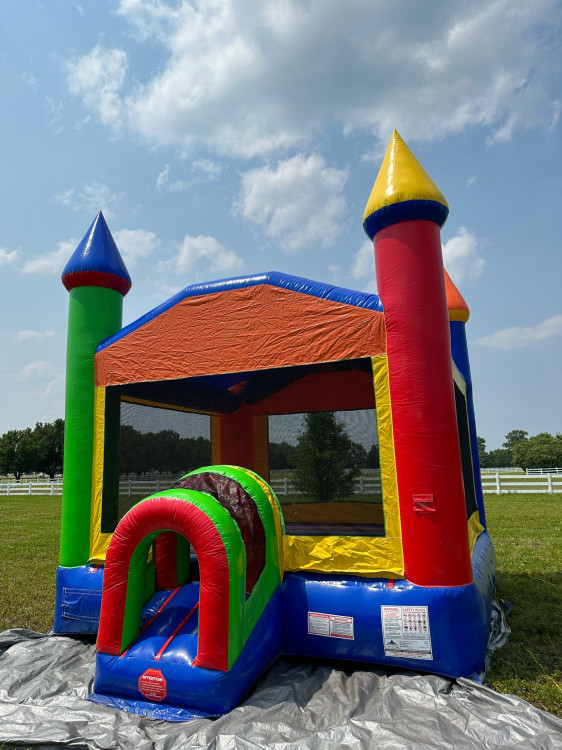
(405, 211)
(271, 278)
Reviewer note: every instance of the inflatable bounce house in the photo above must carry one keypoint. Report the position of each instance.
(195, 590)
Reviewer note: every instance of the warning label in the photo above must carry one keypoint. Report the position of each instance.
(152, 684)
(406, 632)
(333, 626)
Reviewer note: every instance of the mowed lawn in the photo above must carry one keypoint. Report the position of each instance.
(526, 530)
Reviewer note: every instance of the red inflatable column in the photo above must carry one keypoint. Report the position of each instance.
(403, 216)
(236, 438)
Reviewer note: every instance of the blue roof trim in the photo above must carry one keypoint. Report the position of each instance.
(405, 211)
(271, 278)
(97, 252)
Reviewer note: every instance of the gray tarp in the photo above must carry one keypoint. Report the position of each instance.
(44, 682)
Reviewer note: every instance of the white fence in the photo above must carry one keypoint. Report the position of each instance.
(364, 484)
(492, 482)
(499, 483)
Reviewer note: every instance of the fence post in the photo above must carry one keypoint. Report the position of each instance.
(52, 488)
(285, 486)
(549, 479)
(498, 485)
(129, 488)
(29, 488)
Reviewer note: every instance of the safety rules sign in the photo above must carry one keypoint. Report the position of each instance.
(333, 626)
(406, 632)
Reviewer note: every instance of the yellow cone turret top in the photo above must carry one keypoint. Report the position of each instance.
(403, 191)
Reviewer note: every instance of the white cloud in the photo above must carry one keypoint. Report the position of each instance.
(8, 258)
(134, 244)
(36, 370)
(29, 79)
(246, 78)
(297, 204)
(163, 182)
(55, 108)
(49, 391)
(461, 257)
(364, 262)
(200, 255)
(470, 181)
(211, 169)
(51, 262)
(206, 170)
(520, 336)
(29, 335)
(90, 199)
(163, 177)
(98, 78)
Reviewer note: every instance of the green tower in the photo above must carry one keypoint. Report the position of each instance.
(97, 280)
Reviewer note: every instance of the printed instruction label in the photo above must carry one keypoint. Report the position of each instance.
(332, 626)
(153, 685)
(406, 632)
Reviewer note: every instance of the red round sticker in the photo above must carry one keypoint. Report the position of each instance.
(152, 684)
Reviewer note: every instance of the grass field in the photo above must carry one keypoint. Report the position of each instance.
(526, 530)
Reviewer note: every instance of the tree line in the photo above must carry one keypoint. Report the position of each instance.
(323, 448)
(542, 451)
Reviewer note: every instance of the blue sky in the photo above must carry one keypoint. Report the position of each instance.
(226, 137)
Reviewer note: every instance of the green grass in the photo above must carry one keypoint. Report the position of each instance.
(29, 546)
(526, 530)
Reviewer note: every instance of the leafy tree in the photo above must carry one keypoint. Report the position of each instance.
(499, 457)
(373, 461)
(162, 451)
(358, 455)
(17, 455)
(194, 453)
(513, 437)
(47, 443)
(543, 451)
(324, 459)
(132, 459)
(281, 456)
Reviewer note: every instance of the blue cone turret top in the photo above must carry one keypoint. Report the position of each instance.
(97, 261)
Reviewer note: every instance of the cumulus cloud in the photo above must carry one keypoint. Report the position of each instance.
(461, 256)
(297, 204)
(520, 336)
(8, 258)
(364, 261)
(36, 370)
(53, 261)
(30, 335)
(200, 255)
(97, 78)
(135, 244)
(283, 69)
(91, 198)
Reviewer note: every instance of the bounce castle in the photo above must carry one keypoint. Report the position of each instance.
(195, 590)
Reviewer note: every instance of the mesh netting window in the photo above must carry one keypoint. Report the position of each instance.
(155, 447)
(324, 468)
